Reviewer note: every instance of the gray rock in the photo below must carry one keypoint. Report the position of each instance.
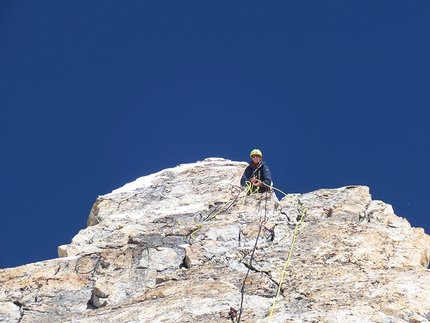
(187, 244)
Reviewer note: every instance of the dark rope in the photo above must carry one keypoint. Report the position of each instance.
(79, 267)
(242, 291)
(215, 210)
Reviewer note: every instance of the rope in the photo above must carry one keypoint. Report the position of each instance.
(238, 313)
(242, 291)
(250, 190)
(210, 217)
(284, 269)
(87, 264)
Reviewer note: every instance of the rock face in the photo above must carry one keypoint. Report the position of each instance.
(188, 245)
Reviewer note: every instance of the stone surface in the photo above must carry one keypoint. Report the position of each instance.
(186, 245)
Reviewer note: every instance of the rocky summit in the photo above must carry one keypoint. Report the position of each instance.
(188, 244)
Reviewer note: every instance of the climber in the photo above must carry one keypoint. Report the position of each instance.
(257, 175)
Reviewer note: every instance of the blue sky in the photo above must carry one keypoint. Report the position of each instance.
(94, 94)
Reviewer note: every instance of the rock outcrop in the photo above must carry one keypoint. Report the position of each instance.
(188, 245)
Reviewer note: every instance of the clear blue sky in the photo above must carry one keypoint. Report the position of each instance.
(94, 94)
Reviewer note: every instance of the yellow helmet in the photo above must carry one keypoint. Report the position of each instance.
(256, 152)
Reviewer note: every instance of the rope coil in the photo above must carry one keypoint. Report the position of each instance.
(87, 264)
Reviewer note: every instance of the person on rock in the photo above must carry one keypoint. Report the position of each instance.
(257, 176)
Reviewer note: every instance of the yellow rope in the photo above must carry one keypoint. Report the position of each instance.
(251, 191)
(289, 253)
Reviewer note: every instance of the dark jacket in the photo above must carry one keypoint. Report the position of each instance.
(262, 173)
